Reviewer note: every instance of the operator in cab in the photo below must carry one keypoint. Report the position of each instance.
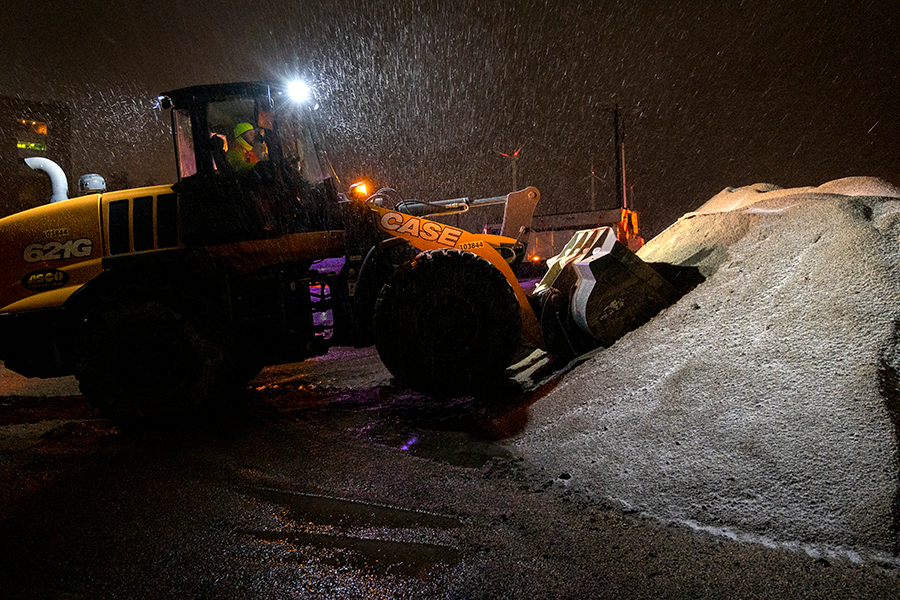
(248, 148)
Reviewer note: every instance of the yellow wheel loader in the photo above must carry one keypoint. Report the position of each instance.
(167, 300)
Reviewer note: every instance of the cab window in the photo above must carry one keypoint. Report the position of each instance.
(238, 135)
(184, 142)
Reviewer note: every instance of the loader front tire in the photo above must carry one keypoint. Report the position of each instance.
(447, 323)
(144, 357)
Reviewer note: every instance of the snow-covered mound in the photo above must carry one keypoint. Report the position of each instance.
(734, 198)
(765, 403)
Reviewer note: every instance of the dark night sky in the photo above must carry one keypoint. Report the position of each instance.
(420, 95)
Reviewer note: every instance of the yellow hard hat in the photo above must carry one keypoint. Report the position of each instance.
(242, 128)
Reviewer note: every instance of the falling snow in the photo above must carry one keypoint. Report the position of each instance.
(421, 95)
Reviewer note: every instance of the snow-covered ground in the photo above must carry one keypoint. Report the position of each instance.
(13, 384)
(764, 405)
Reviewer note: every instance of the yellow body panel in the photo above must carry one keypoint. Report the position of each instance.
(48, 252)
(154, 190)
(51, 299)
(110, 197)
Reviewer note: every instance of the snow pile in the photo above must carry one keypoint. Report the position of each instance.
(733, 198)
(765, 403)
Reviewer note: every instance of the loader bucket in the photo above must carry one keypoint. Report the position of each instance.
(617, 292)
(596, 290)
(581, 244)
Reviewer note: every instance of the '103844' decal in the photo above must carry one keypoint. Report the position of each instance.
(58, 250)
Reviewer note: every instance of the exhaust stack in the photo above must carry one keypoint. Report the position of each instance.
(58, 181)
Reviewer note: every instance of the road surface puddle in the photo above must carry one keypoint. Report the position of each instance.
(458, 448)
(382, 540)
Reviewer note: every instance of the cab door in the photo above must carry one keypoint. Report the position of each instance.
(219, 202)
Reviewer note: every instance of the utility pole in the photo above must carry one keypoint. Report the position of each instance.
(619, 144)
(619, 114)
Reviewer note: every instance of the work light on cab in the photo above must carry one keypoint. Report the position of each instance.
(298, 91)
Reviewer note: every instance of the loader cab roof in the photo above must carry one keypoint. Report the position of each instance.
(201, 94)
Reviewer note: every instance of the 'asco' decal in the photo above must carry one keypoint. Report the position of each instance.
(46, 279)
(58, 250)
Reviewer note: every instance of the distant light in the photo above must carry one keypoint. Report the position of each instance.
(38, 127)
(38, 146)
(298, 91)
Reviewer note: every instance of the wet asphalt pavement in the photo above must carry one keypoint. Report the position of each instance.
(333, 483)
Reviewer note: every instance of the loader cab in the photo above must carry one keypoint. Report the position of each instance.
(249, 164)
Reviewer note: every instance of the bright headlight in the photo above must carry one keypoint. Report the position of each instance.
(298, 91)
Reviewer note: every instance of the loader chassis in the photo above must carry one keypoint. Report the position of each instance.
(168, 299)
(163, 299)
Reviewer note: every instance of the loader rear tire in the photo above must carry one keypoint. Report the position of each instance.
(144, 356)
(447, 323)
